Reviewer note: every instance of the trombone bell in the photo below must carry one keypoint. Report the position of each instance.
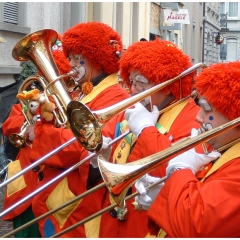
(18, 140)
(84, 126)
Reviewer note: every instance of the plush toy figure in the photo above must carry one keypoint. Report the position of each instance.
(35, 106)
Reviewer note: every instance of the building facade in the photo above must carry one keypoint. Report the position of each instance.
(211, 28)
(230, 28)
(17, 19)
(133, 20)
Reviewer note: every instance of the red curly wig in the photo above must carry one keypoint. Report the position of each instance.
(220, 85)
(92, 40)
(158, 61)
(61, 62)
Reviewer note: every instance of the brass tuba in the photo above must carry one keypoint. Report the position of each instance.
(36, 47)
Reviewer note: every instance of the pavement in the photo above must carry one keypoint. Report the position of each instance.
(5, 226)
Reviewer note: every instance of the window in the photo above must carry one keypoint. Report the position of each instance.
(175, 39)
(231, 49)
(168, 33)
(233, 9)
(222, 7)
(13, 17)
(10, 12)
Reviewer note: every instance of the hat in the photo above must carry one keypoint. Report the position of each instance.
(158, 61)
(219, 84)
(96, 41)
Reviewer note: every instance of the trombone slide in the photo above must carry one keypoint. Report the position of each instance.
(119, 178)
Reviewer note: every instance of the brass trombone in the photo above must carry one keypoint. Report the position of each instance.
(19, 140)
(54, 179)
(82, 120)
(118, 178)
(72, 201)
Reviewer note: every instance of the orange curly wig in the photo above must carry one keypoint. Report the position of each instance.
(158, 61)
(92, 40)
(220, 85)
(61, 62)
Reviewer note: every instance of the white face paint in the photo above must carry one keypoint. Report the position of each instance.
(81, 71)
(141, 79)
(139, 84)
(146, 101)
(77, 63)
(206, 127)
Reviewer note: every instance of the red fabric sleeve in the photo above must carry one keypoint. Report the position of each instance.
(186, 207)
(14, 121)
(150, 141)
(48, 138)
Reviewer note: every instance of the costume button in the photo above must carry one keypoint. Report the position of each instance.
(36, 169)
(40, 176)
(113, 213)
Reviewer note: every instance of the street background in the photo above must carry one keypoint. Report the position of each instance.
(5, 226)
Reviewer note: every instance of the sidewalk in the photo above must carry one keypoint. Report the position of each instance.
(5, 226)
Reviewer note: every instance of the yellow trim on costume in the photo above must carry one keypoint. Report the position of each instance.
(60, 195)
(121, 152)
(92, 227)
(14, 167)
(169, 116)
(107, 82)
(150, 236)
(232, 153)
(161, 234)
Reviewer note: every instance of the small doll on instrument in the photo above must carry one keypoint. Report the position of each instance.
(36, 107)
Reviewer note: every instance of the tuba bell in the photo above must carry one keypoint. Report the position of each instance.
(36, 47)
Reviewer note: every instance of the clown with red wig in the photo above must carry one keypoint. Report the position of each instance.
(142, 66)
(92, 50)
(209, 208)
